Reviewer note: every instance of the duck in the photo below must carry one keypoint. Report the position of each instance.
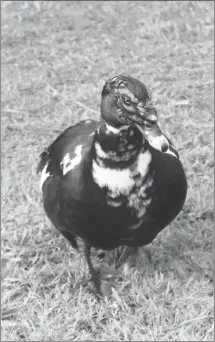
(116, 182)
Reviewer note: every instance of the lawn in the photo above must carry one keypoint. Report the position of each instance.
(56, 56)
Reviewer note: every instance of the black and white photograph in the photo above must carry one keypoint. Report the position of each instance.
(107, 164)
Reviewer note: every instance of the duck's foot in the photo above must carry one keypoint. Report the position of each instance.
(100, 287)
(106, 277)
(118, 256)
(106, 286)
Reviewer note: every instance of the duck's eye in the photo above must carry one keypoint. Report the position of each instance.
(126, 100)
(147, 125)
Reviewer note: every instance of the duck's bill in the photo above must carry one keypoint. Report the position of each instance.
(156, 138)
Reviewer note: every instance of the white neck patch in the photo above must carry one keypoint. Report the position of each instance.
(112, 129)
(100, 152)
(117, 181)
(121, 181)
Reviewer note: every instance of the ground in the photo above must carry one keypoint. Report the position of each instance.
(56, 56)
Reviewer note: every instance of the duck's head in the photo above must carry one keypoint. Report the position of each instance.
(126, 101)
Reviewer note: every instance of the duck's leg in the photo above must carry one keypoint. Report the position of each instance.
(95, 276)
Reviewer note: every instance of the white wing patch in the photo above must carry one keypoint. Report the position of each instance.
(44, 176)
(69, 164)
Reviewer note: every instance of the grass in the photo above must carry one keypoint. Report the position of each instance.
(56, 57)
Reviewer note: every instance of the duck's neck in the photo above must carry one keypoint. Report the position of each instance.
(117, 147)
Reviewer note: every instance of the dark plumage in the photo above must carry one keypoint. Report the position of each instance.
(114, 182)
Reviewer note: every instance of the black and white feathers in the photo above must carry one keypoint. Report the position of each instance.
(115, 182)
